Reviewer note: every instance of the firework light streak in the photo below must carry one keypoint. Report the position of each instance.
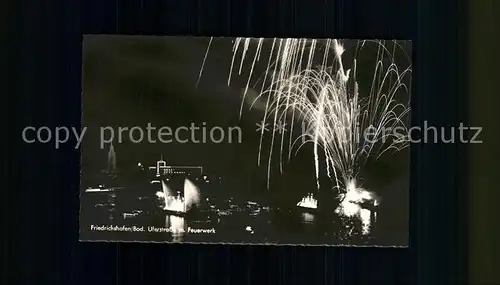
(325, 99)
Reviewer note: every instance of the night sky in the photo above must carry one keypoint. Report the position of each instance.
(134, 80)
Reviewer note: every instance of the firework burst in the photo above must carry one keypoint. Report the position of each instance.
(306, 83)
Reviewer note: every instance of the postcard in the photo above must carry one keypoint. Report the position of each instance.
(273, 141)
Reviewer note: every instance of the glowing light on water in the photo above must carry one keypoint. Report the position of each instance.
(365, 216)
(177, 226)
(308, 202)
(325, 97)
(352, 205)
(178, 203)
(191, 194)
(249, 229)
(88, 190)
(308, 217)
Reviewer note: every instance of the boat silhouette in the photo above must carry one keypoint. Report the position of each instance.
(308, 203)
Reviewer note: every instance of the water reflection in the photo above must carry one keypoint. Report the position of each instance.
(177, 226)
(358, 203)
(234, 220)
(308, 218)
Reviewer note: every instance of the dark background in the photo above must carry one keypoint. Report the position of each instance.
(484, 248)
(43, 199)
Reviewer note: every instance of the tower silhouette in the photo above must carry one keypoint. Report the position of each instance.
(111, 159)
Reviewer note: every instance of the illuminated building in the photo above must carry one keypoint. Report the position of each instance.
(162, 169)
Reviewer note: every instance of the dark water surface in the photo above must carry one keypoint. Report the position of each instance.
(214, 221)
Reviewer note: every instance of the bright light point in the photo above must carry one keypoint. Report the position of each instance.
(339, 49)
(351, 205)
(351, 186)
(139, 164)
(179, 203)
(365, 216)
(249, 229)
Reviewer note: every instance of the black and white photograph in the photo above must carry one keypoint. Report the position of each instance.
(272, 141)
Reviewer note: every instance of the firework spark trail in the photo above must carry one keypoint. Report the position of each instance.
(334, 117)
(204, 60)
